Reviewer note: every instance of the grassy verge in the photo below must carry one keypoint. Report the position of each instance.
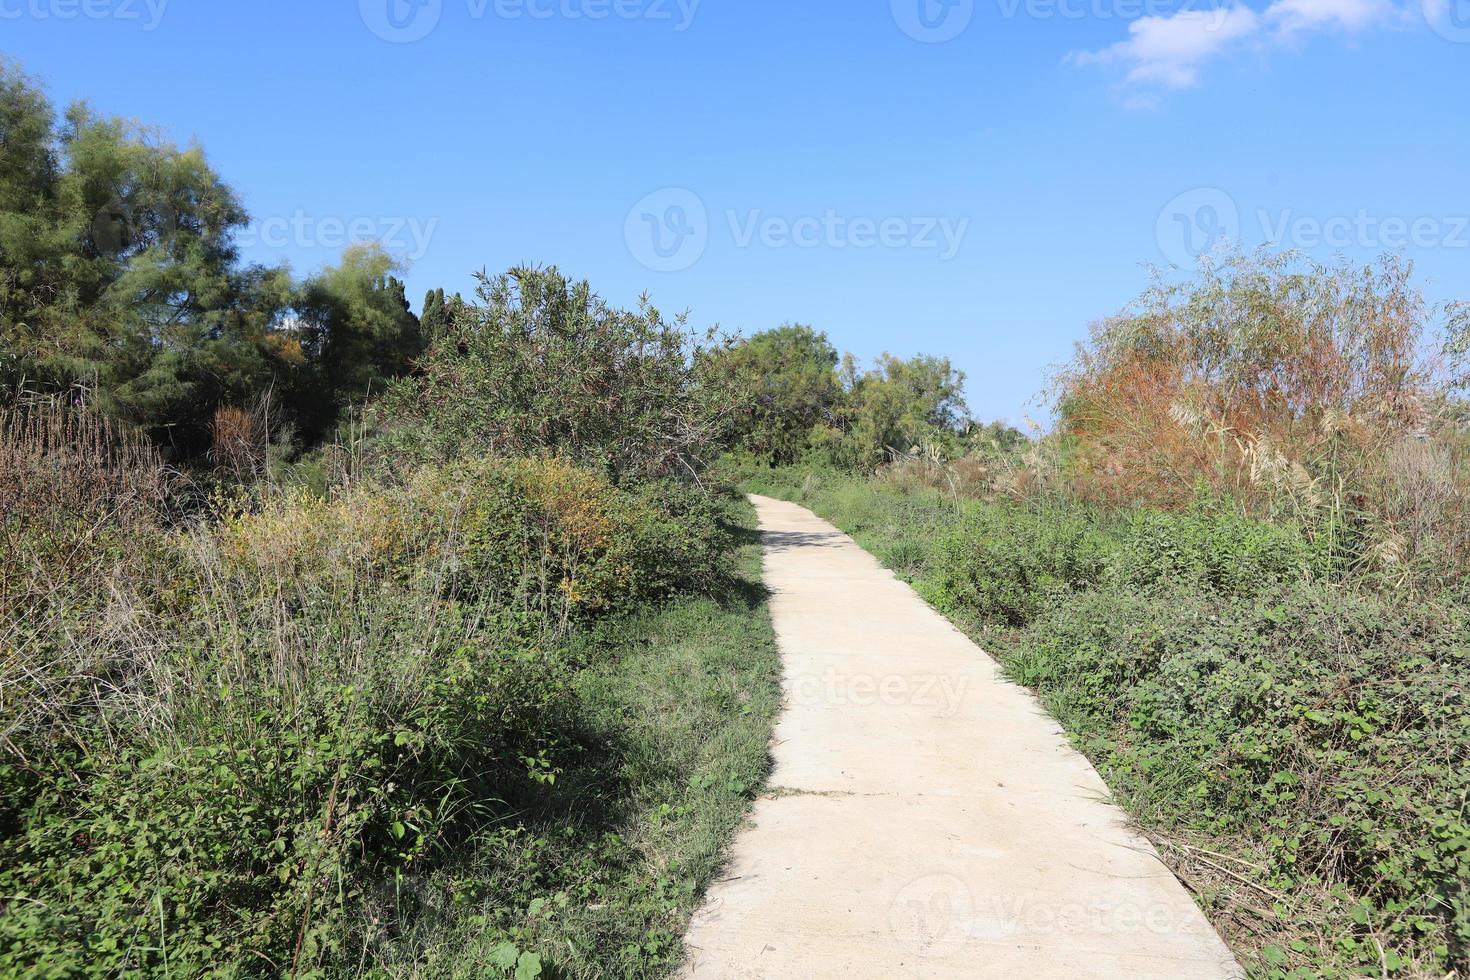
(1295, 741)
(600, 877)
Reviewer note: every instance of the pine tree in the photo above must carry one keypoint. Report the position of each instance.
(435, 318)
(119, 278)
(357, 330)
(121, 285)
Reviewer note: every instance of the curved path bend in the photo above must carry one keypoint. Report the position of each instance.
(926, 818)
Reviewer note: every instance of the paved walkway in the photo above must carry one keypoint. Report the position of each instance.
(926, 817)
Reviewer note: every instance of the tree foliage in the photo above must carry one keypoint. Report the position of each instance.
(357, 332)
(1264, 376)
(788, 379)
(541, 364)
(438, 314)
(801, 398)
(122, 286)
(900, 404)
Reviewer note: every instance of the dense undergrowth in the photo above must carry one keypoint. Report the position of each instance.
(488, 713)
(304, 735)
(1297, 739)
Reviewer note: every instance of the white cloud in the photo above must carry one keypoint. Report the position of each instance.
(1292, 16)
(1169, 50)
(1142, 100)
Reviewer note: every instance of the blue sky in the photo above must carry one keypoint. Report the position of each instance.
(976, 178)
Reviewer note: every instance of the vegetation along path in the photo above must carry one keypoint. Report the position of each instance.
(926, 817)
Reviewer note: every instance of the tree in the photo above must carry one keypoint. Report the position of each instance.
(542, 364)
(121, 285)
(121, 279)
(436, 316)
(899, 404)
(358, 332)
(996, 439)
(32, 245)
(1263, 378)
(789, 378)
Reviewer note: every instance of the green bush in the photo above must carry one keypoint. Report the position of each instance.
(1002, 564)
(1328, 730)
(542, 365)
(293, 704)
(570, 542)
(674, 536)
(1219, 552)
(230, 806)
(541, 537)
(252, 840)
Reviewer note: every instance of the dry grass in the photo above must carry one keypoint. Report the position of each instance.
(80, 501)
(240, 442)
(60, 460)
(1298, 392)
(69, 478)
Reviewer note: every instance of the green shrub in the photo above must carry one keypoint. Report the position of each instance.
(282, 752)
(541, 537)
(1329, 730)
(1219, 552)
(293, 703)
(1002, 564)
(541, 364)
(674, 537)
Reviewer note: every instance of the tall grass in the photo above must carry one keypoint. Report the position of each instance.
(227, 733)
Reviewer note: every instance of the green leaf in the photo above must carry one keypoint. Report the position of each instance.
(505, 956)
(529, 966)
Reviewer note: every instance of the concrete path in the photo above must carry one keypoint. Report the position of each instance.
(926, 817)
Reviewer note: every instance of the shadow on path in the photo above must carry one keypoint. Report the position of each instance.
(780, 541)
